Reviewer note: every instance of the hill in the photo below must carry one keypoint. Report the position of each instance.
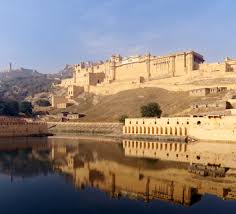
(21, 83)
(111, 107)
(19, 73)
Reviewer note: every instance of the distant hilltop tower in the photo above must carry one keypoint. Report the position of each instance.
(10, 67)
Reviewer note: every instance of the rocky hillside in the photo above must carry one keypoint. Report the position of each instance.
(21, 83)
(24, 83)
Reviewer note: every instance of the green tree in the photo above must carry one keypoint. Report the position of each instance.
(122, 118)
(2, 108)
(151, 110)
(26, 108)
(11, 108)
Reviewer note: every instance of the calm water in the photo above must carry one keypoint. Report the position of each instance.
(81, 176)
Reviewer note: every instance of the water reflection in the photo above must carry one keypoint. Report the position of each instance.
(131, 169)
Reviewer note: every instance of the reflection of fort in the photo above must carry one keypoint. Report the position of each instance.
(24, 157)
(112, 167)
(130, 178)
(220, 154)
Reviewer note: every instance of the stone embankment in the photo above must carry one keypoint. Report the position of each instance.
(15, 127)
(110, 130)
(86, 128)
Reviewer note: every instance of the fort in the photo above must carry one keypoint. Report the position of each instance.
(171, 72)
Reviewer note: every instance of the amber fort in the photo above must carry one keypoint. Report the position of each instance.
(173, 72)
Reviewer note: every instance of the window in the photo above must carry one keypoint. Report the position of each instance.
(198, 122)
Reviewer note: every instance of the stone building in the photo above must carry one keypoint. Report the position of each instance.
(119, 68)
(217, 105)
(211, 127)
(205, 91)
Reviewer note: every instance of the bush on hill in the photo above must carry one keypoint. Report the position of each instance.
(151, 110)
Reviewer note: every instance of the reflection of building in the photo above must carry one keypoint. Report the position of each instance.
(105, 166)
(220, 154)
(129, 178)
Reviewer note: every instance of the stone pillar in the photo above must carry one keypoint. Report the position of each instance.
(112, 70)
(148, 66)
(189, 62)
(172, 65)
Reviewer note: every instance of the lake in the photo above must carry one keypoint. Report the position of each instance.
(40, 175)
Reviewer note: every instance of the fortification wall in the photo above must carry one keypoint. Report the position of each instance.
(10, 129)
(131, 71)
(87, 128)
(67, 82)
(96, 78)
(213, 67)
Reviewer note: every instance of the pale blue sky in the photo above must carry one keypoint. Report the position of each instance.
(47, 34)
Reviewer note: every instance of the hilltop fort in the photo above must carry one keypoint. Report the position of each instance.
(175, 72)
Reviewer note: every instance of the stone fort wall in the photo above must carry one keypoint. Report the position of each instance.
(87, 128)
(21, 128)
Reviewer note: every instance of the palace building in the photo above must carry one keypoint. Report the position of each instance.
(129, 72)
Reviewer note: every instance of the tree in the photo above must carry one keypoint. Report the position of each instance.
(26, 108)
(151, 110)
(11, 108)
(122, 118)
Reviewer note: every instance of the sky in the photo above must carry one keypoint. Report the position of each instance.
(48, 34)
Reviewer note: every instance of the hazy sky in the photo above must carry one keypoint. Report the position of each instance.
(47, 34)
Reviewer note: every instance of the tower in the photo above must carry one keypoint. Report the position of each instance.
(10, 67)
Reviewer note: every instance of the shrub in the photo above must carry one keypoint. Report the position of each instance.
(151, 110)
(26, 108)
(9, 108)
(122, 118)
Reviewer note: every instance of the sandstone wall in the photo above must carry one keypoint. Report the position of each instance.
(131, 71)
(86, 128)
(203, 128)
(21, 130)
(58, 100)
(66, 82)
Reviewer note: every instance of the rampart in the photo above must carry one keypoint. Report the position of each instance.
(86, 128)
(10, 127)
